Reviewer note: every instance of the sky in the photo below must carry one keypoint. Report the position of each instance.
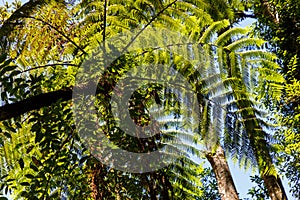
(241, 177)
(2, 2)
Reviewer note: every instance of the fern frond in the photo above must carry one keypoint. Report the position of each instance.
(211, 30)
(243, 43)
(229, 34)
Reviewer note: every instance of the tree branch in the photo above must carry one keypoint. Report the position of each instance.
(50, 65)
(33, 103)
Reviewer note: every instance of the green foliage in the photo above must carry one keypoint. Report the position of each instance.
(44, 158)
(258, 192)
(209, 186)
(57, 163)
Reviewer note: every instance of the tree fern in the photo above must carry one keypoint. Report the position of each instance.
(249, 116)
(219, 67)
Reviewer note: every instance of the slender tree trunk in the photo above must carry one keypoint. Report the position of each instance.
(220, 167)
(265, 163)
(267, 169)
(275, 187)
(152, 187)
(95, 182)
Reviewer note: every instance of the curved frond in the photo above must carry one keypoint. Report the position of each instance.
(213, 29)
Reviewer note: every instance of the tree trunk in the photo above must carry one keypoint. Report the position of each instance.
(264, 160)
(267, 169)
(166, 186)
(275, 187)
(220, 167)
(96, 181)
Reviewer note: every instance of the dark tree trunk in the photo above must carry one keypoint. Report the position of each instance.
(166, 186)
(96, 181)
(220, 167)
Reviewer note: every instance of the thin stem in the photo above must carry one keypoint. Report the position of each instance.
(104, 23)
(148, 24)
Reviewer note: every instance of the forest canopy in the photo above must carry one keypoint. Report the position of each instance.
(128, 99)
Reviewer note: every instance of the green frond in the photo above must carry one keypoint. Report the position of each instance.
(213, 29)
(243, 43)
(257, 54)
(168, 21)
(198, 4)
(229, 34)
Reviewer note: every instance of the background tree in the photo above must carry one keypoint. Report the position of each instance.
(278, 22)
